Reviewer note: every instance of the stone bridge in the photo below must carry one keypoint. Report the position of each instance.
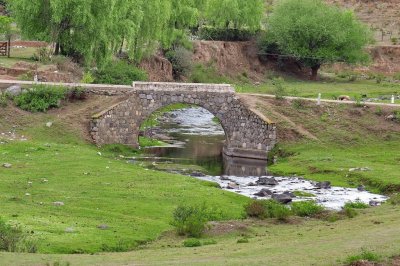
(248, 133)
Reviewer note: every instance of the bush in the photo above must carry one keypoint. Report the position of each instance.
(191, 242)
(280, 89)
(77, 94)
(349, 212)
(242, 241)
(192, 220)
(276, 210)
(365, 255)
(87, 78)
(14, 239)
(356, 205)
(181, 60)
(306, 208)
(225, 34)
(43, 54)
(65, 64)
(3, 100)
(255, 209)
(394, 199)
(119, 73)
(397, 76)
(40, 98)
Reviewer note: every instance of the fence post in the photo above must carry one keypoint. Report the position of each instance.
(392, 99)
(319, 99)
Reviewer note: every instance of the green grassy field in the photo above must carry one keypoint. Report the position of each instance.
(302, 242)
(136, 203)
(329, 89)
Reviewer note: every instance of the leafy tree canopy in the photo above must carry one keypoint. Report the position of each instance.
(317, 33)
(5, 25)
(94, 30)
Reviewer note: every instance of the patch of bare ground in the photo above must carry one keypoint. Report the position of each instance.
(395, 261)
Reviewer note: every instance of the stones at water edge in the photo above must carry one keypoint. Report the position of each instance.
(264, 193)
(282, 198)
(267, 181)
(324, 185)
(232, 185)
(197, 174)
(374, 203)
(361, 188)
(225, 178)
(14, 90)
(7, 165)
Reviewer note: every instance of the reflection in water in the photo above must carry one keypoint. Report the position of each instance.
(199, 140)
(234, 166)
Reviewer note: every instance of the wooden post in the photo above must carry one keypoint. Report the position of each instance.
(319, 99)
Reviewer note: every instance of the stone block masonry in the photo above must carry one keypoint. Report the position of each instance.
(248, 134)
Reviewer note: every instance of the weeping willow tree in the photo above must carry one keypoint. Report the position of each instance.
(94, 30)
(236, 14)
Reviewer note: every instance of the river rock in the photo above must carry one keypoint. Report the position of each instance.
(267, 181)
(291, 194)
(282, 198)
(232, 185)
(49, 124)
(7, 165)
(197, 174)
(251, 184)
(323, 185)
(14, 90)
(374, 203)
(361, 188)
(225, 178)
(264, 193)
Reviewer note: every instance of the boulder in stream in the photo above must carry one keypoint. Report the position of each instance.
(264, 193)
(267, 181)
(282, 198)
(324, 185)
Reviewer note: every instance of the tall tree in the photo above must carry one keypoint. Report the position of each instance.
(235, 13)
(317, 33)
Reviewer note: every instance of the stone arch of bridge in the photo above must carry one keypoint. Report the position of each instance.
(150, 112)
(248, 133)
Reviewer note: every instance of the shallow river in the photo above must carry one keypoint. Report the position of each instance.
(198, 139)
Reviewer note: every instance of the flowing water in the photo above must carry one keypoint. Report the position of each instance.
(197, 139)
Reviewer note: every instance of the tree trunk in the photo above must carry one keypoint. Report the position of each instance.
(314, 72)
(57, 49)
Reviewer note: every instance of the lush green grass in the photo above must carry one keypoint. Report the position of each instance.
(305, 242)
(18, 54)
(329, 89)
(332, 162)
(134, 202)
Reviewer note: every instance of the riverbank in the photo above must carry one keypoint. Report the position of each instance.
(136, 204)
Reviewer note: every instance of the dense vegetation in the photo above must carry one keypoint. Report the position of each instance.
(92, 31)
(316, 33)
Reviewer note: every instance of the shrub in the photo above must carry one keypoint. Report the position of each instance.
(394, 40)
(349, 212)
(40, 98)
(365, 255)
(394, 199)
(66, 64)
(181, 60)
(209, 242)
(14, 239)
(3, 100)
(379, 78)
(119, 72)
(77, 93)
(87, 78)
(356, 205)
(242, 241)
(43, 54)
(192, 220)
(276, 210)
(306, 208)
(255, 209)
(280, 89)
(192, 242)
(397, 76)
